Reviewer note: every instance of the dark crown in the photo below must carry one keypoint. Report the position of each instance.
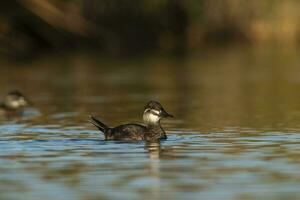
(153, 105)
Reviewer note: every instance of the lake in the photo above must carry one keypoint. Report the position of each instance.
(235, 135)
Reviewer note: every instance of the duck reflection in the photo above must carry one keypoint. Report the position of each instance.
(154, 149)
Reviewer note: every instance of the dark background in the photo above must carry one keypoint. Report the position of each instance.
(31, 28)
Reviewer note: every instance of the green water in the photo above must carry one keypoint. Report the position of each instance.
(235, 135)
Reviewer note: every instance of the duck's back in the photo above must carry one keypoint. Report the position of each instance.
(126, 132)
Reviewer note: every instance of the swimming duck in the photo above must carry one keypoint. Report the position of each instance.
(13, 103)
(151, 131)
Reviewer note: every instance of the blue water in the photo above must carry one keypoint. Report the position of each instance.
(76, 164)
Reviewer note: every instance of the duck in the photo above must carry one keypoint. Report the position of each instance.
(13, 103)
(151, 130)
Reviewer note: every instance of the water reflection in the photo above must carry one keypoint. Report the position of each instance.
(154, 150)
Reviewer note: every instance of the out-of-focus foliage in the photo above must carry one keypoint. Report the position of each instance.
(30, 27)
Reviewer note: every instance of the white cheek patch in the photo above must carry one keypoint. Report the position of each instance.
(15, 104)
(151, 118)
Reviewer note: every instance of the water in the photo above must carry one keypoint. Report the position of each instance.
(236, 134)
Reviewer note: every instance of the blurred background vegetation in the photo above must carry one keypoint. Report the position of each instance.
(129, 27)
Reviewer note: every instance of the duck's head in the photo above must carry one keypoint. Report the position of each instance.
(154, 112)
(15, 100)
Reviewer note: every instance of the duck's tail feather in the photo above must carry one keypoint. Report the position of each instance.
(102, 127)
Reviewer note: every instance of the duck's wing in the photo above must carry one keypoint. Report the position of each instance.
(127, 132)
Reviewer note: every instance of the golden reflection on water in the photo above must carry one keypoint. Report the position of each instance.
(245, 88)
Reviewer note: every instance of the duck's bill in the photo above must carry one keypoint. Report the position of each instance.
(165, 114)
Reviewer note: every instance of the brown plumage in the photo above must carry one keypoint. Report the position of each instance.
(151, 131)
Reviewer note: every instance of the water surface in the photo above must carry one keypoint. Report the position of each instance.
(236, 134)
